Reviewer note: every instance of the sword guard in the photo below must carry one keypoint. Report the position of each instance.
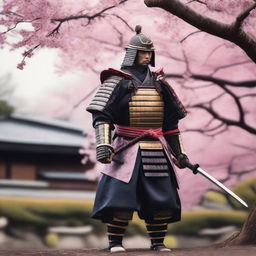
(192, 167)
(194, 170)
(186, 163)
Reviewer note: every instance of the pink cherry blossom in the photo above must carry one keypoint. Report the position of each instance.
(21, 65)
(207, 72)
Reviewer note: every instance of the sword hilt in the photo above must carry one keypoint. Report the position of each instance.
(183, 160)
(192, 167)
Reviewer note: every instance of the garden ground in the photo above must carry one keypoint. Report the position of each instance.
(204, 251)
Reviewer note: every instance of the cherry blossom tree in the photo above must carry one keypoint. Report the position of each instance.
(207, 49)
(238, 29)
(6, 90)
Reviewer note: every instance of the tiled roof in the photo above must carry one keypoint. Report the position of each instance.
(38, 131)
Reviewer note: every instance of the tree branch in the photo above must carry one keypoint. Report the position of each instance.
(190, 34)
(222, 83)
(124, 21)
(244, 147)
(197, 1)
(238, 103)
(82, 16)
(230, 65)
(17, 23)
(214, 50)
(229, 32)
(243, 15)
(227, 121)
(247, 84)
(210, 132)
(247, 95)
(26, 54)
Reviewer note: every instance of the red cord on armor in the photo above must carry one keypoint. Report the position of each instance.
(172, 132)
(138, 131)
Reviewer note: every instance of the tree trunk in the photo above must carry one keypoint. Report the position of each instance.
(247, 235)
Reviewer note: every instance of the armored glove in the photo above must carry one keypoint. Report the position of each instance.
(104, 150)
(184, 161)
(104, 153)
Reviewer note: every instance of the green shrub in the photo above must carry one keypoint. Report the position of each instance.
(193, 221)
(135, 229)
(244, 189)
(215, 197)
(45, 212)
(42, 213)
(171, 242)
(247, 191)
(51, 240)
(5, 108)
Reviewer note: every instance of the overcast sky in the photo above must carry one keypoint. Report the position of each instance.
(38, 75)
(38, 79)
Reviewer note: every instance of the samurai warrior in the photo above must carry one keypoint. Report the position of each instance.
(138, 175)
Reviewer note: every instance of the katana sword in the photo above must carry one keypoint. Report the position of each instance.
(220, 185)
(196, 169)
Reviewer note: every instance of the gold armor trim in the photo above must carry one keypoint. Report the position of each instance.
(146, 109)
(116, 226)
(181, 145)
(156, 119)
(149, 114)
(106, 133)
(150, 145)
(146, 103)
(147, 92)
(146, 97)
(114, 234)
(103, 135)
(158, 231)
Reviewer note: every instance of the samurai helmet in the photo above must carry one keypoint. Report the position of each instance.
(139, 42)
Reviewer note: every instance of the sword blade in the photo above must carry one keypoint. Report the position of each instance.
(220, 185)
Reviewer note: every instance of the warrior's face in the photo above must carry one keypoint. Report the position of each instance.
(144, 57)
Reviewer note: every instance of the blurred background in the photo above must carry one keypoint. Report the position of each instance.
(51, 56)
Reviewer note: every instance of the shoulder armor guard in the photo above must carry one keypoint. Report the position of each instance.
(181, 111)
(104, 94)
(105, 74)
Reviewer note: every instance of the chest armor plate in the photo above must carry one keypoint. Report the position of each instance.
(146, 108)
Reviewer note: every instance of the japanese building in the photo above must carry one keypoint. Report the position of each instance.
(42, 153)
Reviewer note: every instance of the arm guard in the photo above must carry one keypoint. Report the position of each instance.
(104, 149)
(175, 143)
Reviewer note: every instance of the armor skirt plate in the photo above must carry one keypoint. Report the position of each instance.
(149, 195)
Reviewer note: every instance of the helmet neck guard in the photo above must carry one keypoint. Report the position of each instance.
(139, 42)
